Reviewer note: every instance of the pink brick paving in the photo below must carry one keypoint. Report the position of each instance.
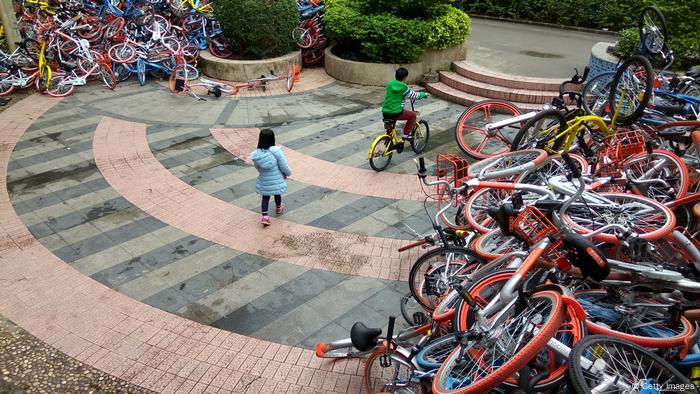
(124, 337)
(123, 156)
(313, 171)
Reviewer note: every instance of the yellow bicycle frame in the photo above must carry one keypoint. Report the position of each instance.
(43, 65)
(394, 139)
(574, 126)
(44, 6)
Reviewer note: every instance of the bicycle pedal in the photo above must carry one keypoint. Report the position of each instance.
(399, 147)
(385, 361)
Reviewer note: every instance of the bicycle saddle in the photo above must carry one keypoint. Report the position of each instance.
(585, 255)
(502, 216)
(693, 72)
(364, 338)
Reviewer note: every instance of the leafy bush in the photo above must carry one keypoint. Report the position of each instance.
(258, 29)
(391, 31)
(681, 16)
(628, 43)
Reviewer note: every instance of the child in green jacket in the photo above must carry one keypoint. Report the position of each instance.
(393, 108)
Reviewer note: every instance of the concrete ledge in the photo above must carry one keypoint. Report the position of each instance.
(244, 70)
(377, 74)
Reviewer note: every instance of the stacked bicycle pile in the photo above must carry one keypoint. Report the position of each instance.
(68, 44)
(311, 34)
(565, 260)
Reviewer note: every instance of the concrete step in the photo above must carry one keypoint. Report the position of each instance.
(481, 74)
(482, 89)
(449, 93)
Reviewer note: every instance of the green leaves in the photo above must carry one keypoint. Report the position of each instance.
(258, 29)
(396, 31)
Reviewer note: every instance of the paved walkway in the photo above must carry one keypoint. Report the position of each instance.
(529, 50)
(132, 243)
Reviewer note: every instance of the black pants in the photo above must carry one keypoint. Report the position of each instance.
(266, 203)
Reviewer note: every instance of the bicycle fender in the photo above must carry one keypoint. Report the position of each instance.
(574, 306)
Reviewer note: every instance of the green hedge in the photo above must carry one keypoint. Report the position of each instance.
(258, 29)
(395, 31)
(682, 17)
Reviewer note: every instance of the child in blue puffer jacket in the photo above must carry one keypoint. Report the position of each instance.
(273, 168)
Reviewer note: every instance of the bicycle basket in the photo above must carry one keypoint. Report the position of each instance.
(532, 225)
(451, 168)
(625, 144)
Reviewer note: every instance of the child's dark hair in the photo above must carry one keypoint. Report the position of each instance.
(401, 74)
(266, 139)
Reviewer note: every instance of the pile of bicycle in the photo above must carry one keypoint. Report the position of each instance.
(567, 258)
(311, 34)
(67, 44)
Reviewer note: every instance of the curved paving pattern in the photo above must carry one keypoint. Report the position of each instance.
(81, 218)
(128, 339)
(240, 142)
(123, 156)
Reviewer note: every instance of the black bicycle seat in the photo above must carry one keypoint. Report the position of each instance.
(677, 135)
(548, 205)
(502, 216)
(693, 72)
(364, 338)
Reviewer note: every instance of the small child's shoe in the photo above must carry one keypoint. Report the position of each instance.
(279, 209)
(265, 220)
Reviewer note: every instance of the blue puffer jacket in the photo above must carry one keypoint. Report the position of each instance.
(273, 168)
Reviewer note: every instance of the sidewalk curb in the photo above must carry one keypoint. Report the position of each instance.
(544, 24)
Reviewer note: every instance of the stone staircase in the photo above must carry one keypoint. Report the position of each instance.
(469, 83)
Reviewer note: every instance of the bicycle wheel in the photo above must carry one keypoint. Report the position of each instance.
(6, 86)
(600, 363)
(661, 165)
(644, 323)
(58, 88)
(141, 71)
(553, 166)
(290, 78)
(380, 152)
(471, 134)
(421, 133)
(435, 352)
(43, 78)
(494, 244)
(395, 378)
(644, 216)
(652, 30)
(220, 47)
(122, 53)
(107, 76)
(430, 275)
(507, 165)
(121, 72)
(596, 93)
(485, 288)
(539, 132)
(490, 359)
(631, 89)
(409, 306)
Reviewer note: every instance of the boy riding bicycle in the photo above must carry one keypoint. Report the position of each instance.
(393, 108)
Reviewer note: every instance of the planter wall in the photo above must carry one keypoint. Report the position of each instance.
(601, 61)
(244, 70)
(377, 74)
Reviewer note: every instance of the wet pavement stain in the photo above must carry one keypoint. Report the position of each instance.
(200, 313)
(78, 173)
(99, 212)
(543, 55)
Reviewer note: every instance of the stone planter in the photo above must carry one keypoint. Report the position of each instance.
(244, 70)
(377, 74)
(601, 61)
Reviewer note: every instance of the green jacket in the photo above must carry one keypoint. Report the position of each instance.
(396, 93)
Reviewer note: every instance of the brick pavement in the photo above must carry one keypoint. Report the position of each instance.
(133, 341)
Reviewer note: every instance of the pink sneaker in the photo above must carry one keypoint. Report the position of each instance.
(279, 209)
(265, 220)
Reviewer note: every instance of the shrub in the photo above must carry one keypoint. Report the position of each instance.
(258, 29)
(628, 43)
(390, 31)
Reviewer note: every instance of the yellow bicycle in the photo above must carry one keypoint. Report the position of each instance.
(42, 5)
(43, 81)
(388, 143)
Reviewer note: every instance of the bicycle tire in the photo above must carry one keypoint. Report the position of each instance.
(675, 173)
(508, 164)
(494, 244)
(435, 352)
(634, 74)
(141, 71)
(650, 42)
(384, 144)
(122, 53)
(290, 78)
(644, 361)
(475, 152)
(571, 331)
(424, 279)
(661, 218)
(418, 144)
(553, 166)
(554, 314)
(373, 383)
(600, 315)
(107, 76)
(595, 95)
(56, 87)
(526, 140)
(475, 211)
(6, 86)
